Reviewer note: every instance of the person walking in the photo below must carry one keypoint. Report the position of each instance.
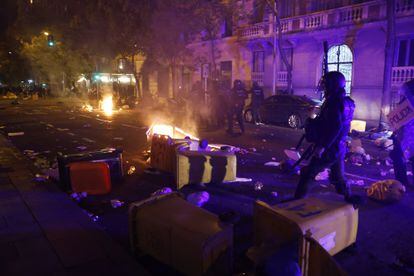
(328, 134)
(238, 97)
(257, 97)
(403, 142)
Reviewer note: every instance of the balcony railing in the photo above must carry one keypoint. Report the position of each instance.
(254, 31)
(282, 77)
(401, 75)
(360, 13)
(258, 77)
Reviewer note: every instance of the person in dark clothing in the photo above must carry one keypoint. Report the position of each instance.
(403, 143)
(330, 130)
(257, 100)
(238, 97)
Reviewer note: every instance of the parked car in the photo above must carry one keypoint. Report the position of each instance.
(290, 109)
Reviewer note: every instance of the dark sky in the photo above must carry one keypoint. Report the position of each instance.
(7, 14)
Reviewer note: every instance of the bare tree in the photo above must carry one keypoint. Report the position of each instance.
(389, 55)
(273, 5)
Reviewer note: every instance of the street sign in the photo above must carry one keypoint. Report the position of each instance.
(206, 70)
(401, 115)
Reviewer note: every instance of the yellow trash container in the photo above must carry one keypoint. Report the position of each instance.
(181, 235)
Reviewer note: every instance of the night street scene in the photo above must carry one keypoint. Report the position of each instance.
(207, 137)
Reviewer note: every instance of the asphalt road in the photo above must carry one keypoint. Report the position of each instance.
(51, 126)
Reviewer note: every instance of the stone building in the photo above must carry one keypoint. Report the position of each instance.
(356, 34)
(355, 30)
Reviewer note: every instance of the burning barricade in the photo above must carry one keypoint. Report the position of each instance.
(190, 159)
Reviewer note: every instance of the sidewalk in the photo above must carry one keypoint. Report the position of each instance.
(42, 232)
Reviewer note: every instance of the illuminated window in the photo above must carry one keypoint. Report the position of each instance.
(340, 59)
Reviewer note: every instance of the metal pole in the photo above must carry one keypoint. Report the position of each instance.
(274, 52)
(389, 55)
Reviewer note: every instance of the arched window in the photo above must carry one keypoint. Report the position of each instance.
(340, 59)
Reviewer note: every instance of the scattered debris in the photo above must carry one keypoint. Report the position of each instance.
(78, 196)
(152, 171)
(253, 149)
(162, 191)
(115, 203)
(258, 186)
(62, 129)
(41, 178)
(356, 159)
(323, 185)
(292, 154)
(388, 191)
(118, 138)
(358, 182)
(272, 164)
(41, 163)
(52, 173)
(239, 179)
(87, 125)
(88, 140)
(12, 134)
(383, 173)
(323, 175)
(388, 162)
(81, 148)
(199, 198)
(274, 193)
(355, 146)
(131, 170)
(93, 217)
(264, 140)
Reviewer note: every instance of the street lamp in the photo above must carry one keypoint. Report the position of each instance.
(46, 33)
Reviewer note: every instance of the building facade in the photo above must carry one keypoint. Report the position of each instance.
(355, 31)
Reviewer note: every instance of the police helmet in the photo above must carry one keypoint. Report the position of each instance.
(334, 81)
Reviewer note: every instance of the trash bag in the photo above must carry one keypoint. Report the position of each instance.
(198, 199)
(387, 191)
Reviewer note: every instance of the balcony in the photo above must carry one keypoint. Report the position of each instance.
(282, 77)
(400, 75)
(349, 15)
(255, 31)
(258, 77)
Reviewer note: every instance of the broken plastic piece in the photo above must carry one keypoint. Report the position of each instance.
(258, 186)
(323, 175)
(12, 134)
(198, 199)
(131, 170)
(115, 203)
(162, 191)
(272, 164)
(292, 154)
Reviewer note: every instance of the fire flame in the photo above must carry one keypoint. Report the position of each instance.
(107, 105)
(87, 107)
(169, 130)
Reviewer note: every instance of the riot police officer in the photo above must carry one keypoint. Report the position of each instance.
(238, 97)
(330, 130)
(257, 100)
(403, 143)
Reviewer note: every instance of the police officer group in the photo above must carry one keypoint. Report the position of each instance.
(327, 132)
(236, 104)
